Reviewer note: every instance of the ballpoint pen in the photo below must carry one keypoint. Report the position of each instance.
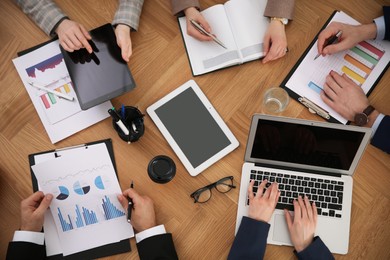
(118, 121)
(44, 88)
(203, 31)
(130, 204)
(330, 41)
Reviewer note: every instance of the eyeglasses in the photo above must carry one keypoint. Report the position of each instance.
(204, 194)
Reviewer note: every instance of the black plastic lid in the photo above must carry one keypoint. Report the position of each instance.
(161, 169)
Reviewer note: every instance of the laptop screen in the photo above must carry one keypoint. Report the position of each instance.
(306, 144)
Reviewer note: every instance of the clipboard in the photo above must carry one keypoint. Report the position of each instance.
(120, 247)
(309, 104)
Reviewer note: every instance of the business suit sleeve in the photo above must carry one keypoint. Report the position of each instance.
(280, 8)
(25, 250)
(129, 13)
(386, 14)
(381, 139)
(250, 241)
(45, 13)
(157, 247)
(178, 6)
(316, 250)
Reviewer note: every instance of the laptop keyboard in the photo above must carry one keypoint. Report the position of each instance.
(327, 194)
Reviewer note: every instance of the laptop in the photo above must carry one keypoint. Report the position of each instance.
(310, 158)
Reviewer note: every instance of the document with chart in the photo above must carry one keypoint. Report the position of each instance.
(85, 208)
(44, 74)
(364, 64)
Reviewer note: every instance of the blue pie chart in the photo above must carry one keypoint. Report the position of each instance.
(81, 189)
(101, 183)
(64, 193)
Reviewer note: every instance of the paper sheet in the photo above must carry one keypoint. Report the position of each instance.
(61, 118)
(85, 208)
(363, 64)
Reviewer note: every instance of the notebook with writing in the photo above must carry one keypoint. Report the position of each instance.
(315, 159)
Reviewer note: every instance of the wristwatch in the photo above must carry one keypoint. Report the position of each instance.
(362, 118)
(284, 21)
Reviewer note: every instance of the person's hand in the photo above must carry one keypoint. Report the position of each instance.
(303, 226)
(123, 39)
(193, 14)
(73, 36)
(275, 42)
(33, 211)
(351, 35)
(262, 205)
(142, 216)
(343, 95)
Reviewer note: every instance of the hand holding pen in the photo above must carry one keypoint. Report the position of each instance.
(203, 31)
(193, 14)
(143, 215)
(329, 41)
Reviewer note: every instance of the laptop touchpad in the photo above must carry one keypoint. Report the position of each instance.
(281, 230)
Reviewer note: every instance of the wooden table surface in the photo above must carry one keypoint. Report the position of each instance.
(159, 65)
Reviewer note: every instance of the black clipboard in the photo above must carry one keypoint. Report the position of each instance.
(120, 247)
(314, 108)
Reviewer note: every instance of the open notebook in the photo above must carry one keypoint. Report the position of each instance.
(240, 25)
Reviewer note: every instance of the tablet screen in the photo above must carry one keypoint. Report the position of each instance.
(102, 75)
(192, 126)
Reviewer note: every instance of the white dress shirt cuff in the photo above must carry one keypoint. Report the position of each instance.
(377, 122)
(380, 28)
(29, 236)
(154, 231)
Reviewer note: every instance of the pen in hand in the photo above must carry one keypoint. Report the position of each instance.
(202, 30)
(330, 41)
(130, 204)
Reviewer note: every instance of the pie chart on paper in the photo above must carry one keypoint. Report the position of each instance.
(81, 189)
(101, 182)
(63, 193)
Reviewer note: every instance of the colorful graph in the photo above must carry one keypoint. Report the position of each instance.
(63, 193)
(110, 211)
(50, 63)
(50, 99)
(81, 189)
(357, 63)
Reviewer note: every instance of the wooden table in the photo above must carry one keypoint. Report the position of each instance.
(159, 64)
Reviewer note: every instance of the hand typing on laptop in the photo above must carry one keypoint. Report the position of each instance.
(251, 238)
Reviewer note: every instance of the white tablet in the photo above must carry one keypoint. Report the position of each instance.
(192, 127)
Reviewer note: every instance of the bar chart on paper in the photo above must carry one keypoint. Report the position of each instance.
(82, 216)
(50, 73)
(357, 63)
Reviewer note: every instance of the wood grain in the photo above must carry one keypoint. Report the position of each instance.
(159, 64)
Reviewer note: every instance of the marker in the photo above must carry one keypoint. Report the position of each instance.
(44, 88)
(130, 204)
(118, 121)
(330, 41)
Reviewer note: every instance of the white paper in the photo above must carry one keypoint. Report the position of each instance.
(315, 71)
(61, 118)
(83, 180)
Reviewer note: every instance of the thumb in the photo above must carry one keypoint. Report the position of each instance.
(45, 203)
(288, 219)
(123, 201)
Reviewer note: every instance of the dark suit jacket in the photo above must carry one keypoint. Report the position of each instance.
(251, 240)
(381, 139)
(155, 247)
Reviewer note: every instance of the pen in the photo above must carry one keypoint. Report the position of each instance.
(202, 30)
(123, 111)
(44, 88)
(130, 204)
(330, 41)
(118, 120)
